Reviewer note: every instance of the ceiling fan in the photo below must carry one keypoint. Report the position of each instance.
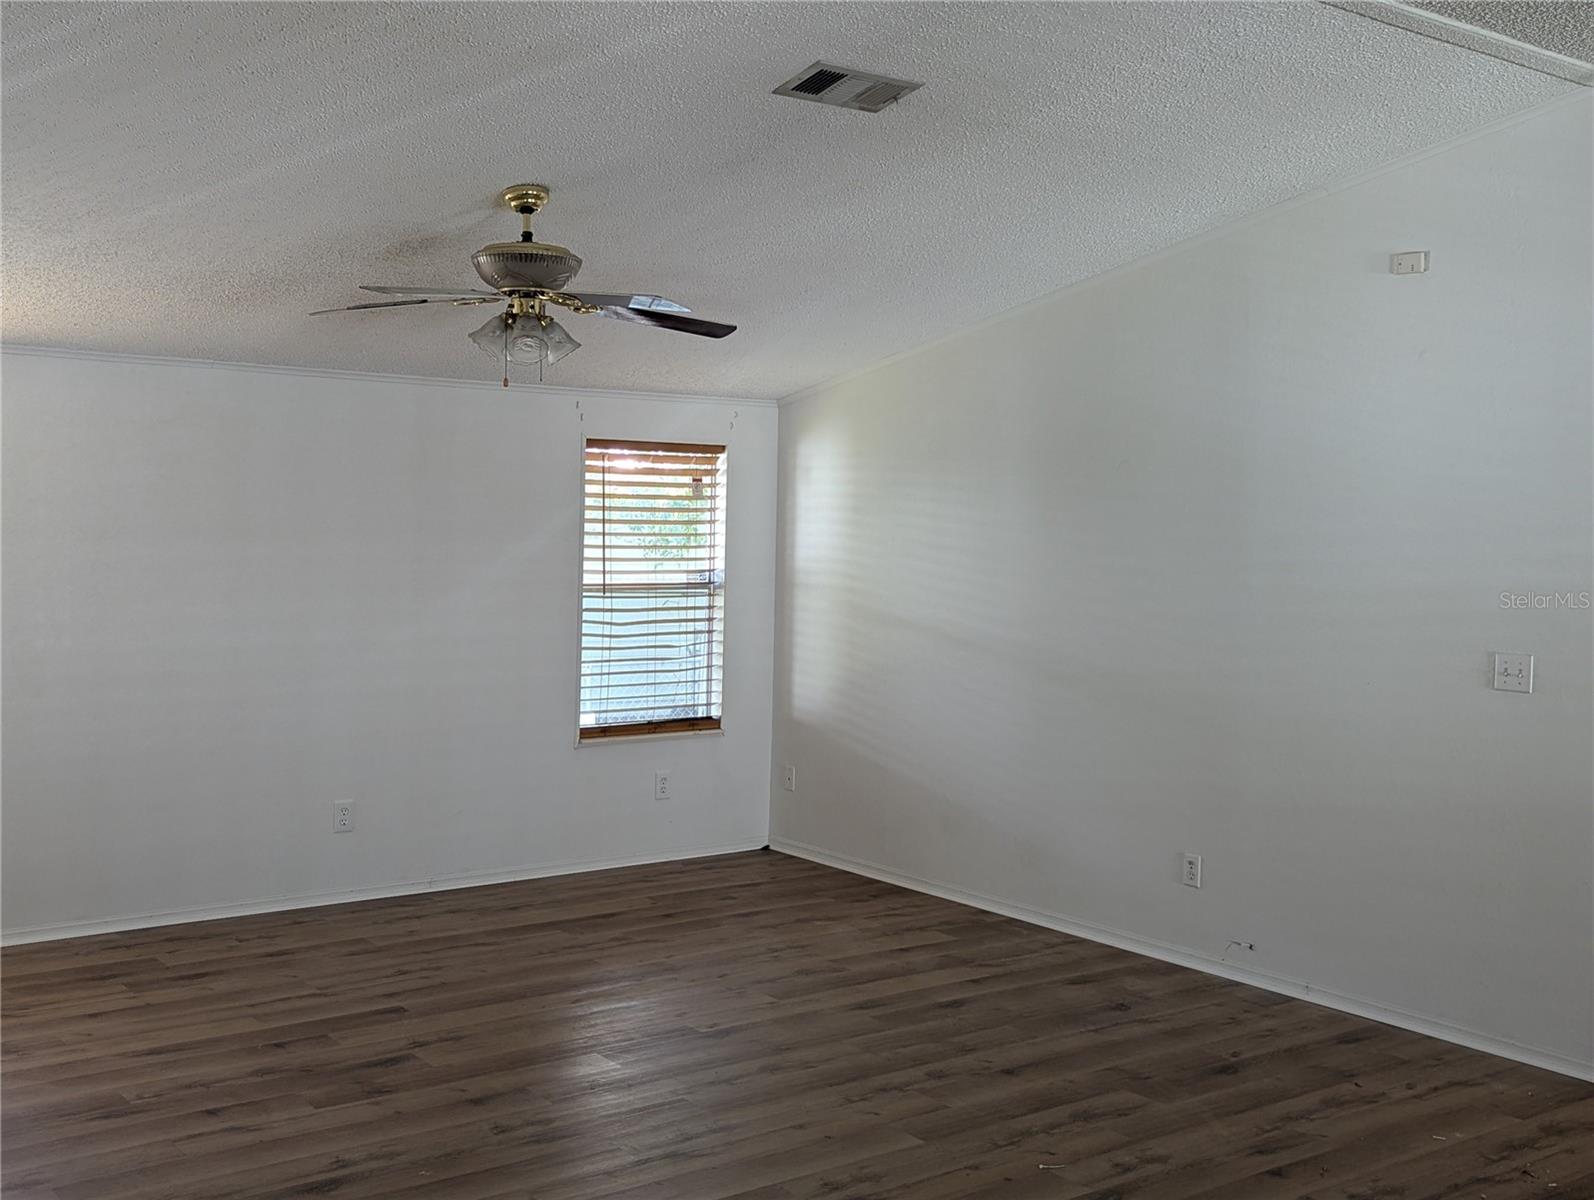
(530, 278)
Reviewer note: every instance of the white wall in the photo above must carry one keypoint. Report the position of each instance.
(233, 596)
(1207, 556)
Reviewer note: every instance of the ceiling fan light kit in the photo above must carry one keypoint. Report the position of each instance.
(524, 339)
(530, 276)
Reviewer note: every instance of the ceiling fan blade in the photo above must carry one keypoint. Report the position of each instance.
(409, 291)
(374, 304)
(627, 300)
(669, 320)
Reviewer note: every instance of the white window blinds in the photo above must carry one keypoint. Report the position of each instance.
(652, 588)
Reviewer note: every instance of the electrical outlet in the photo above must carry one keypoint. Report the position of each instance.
(788, 777)
(343, 816)
(1191, 873)
(661, 785)
(1513, 672)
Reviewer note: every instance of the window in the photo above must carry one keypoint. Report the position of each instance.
(652, 588)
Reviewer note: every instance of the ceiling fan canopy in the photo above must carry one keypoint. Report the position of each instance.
(530, 277)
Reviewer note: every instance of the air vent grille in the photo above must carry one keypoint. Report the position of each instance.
(819, 81)
(877, 95)
(837, 86)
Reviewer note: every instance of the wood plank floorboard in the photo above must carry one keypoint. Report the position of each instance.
(751, 1026)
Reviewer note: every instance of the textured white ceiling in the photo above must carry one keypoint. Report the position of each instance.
(191, 179)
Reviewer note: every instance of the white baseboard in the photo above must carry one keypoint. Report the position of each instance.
(1298, 989)
(184, 916)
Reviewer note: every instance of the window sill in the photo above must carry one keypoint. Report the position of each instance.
(584, 743)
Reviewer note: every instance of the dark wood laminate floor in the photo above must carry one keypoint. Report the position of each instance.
(749, 1026)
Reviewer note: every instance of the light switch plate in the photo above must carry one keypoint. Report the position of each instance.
(1513, 672)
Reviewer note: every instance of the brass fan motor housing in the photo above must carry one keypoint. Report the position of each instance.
(526, 266)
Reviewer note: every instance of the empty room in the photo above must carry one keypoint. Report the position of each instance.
(797, 601)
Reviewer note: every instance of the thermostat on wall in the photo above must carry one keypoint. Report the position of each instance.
(1408, 262)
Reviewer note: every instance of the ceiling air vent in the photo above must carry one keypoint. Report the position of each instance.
(830, 84)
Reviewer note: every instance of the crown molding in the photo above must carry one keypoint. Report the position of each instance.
(540, 390)
(1470, 37)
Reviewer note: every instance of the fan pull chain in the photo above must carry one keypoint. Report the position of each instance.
(506, 350)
